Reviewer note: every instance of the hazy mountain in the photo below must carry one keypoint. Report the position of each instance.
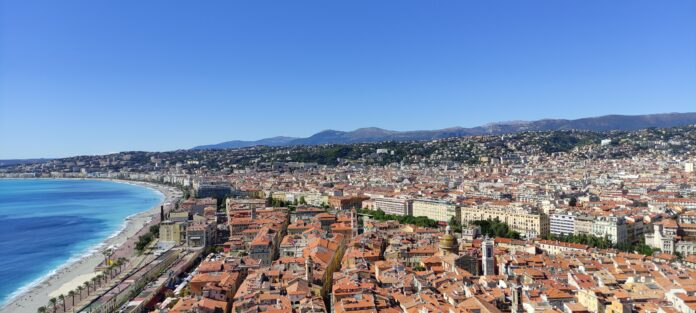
(22, 161)
(274, 141)
(373, 134)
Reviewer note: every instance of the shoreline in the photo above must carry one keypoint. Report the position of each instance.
(80, 268)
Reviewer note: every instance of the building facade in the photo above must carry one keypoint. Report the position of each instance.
(394, 206)
(562, 223)
(529, 222)
(437, 210)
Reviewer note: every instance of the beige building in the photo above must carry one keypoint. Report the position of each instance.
(528, 222)
(583, 225)
(437, 210)
(172, 231)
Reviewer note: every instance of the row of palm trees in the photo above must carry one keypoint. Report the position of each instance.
(90, 286)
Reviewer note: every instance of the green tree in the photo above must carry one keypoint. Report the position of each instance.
(420, 221)
(455, 224)
(573, 201)
(496, 228)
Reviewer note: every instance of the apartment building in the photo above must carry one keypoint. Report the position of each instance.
(172, 231)
(671, 237)
(562, 223)
(213, 189)
(528, 221)
(394, 206)
(583, 224)
(612, 227)
(437, 210)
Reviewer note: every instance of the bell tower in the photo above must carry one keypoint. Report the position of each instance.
(487, 261)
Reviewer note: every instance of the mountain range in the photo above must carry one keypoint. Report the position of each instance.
(22, 161)
(374, 134)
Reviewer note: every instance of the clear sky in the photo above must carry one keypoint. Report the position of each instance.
(93, 77)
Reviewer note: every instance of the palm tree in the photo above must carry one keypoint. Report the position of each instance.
(41, 309)
(71, 294)
(87, 284)
(62, 300)
(80, 289)
(107, 255)
(53, 304)
(119, 264)
(97, 282)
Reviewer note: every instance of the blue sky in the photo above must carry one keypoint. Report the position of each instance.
(93, 77)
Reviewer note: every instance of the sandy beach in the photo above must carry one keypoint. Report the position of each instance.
(73, 274)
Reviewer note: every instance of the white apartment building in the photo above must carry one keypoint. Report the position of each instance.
(611, 227)
(671, 237)
(562, 223)
(393, 205)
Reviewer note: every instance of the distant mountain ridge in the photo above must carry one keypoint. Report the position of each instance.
(22, 161)
(374, 134)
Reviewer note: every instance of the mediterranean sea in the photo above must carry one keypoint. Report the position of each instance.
(45, 223)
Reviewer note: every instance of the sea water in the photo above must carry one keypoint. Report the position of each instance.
(45, 223)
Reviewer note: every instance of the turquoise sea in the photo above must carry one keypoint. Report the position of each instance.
(48, 222)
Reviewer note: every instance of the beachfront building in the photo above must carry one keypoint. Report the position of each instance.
(212, 189)
(172, 231)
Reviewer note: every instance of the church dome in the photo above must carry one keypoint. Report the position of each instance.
(448, 242)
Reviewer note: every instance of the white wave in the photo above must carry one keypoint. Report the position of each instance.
(88, 252)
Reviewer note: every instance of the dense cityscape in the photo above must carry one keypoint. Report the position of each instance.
(555, 221)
